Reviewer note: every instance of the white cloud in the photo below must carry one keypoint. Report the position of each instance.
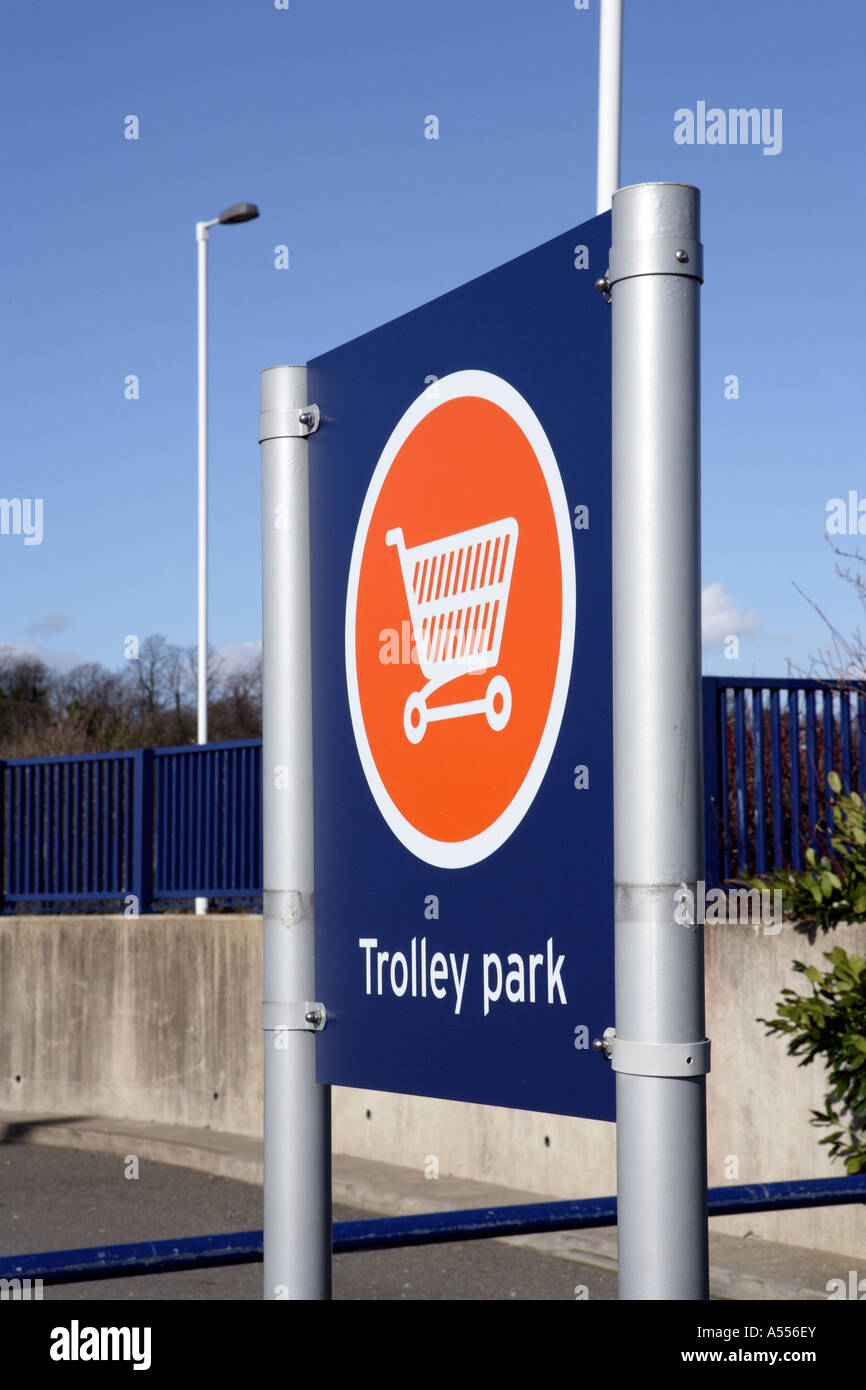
(235, 655)
(57, 661)
(720, 617)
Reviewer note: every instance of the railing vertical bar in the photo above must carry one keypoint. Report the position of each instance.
(103, 846)
(845, 740)
(226, 820)
(23, 824)
(7, 884)
(157, 820)
(130, 825)
(174, 823)
(36, 847)
(210, 819)
(89, 769)
(111, 769)
(182, 830)
(21, 827)
(141, 839)
(251, 820)
(201, 819)
(39, 837)
(192, 768)
(179, 819)
(15, 830)
(217, 828)
(234, 810)
(63, 845)
(16, 813)
(829, 756)
(258, 814)
(215, 872)
(245, 823)
(740, 778)
(212, 784)
(75, 876)
(811, 767)
(215, 760)
(32, 861)
(710, 693)
(795, 779)
(106, 843)
(760, 797)
(187, 770)
(777, 809)
(724, 735)
(50, 850)
(164, 836)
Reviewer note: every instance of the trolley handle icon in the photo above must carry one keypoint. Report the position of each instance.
(457, 589)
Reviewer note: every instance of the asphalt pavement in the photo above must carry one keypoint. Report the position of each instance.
(69, 1183)
(61, 1199)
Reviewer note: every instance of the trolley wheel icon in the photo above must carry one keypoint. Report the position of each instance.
(415, 717)
(497, 703)
(496, 707)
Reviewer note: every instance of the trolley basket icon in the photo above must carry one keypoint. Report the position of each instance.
(457, 589)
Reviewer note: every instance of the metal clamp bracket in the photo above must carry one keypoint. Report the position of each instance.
(660, 1059)
(656, 256)
(293, 1017)
(289, 424)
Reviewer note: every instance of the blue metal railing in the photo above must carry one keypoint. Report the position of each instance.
(769, 746)
(70, 828)
(383, 1233)
(208, 830)
(132, 830)
(163, 826)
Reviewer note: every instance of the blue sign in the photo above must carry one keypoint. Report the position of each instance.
(460, 509)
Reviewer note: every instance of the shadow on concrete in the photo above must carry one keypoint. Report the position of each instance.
(17, 1132)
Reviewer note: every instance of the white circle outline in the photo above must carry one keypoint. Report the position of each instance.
(458, 854)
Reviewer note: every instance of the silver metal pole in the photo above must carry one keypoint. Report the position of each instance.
(297, 1116)
(609, 102)
(202, 235)
(659, 1052)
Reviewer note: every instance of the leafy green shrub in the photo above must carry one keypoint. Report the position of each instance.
(833, 888)
(831, 1022)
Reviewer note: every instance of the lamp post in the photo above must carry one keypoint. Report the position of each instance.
(238, 212)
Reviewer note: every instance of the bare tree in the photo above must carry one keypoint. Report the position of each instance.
(150, 703)
(844, 658)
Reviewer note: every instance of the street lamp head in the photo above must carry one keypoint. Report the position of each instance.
(239, 212)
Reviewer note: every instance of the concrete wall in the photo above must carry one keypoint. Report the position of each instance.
(157, 1018)
(151, 1018)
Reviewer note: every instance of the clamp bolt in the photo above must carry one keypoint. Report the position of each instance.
(604, 1044)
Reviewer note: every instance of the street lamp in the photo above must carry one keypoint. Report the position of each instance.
(238, 212)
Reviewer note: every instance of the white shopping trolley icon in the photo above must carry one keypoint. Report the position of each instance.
(457, 589)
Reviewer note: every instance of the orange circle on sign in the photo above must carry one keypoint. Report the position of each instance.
(460, 618)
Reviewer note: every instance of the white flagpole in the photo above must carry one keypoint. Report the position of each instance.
(609, 102)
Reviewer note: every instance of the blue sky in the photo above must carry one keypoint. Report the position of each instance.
(317, 113)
